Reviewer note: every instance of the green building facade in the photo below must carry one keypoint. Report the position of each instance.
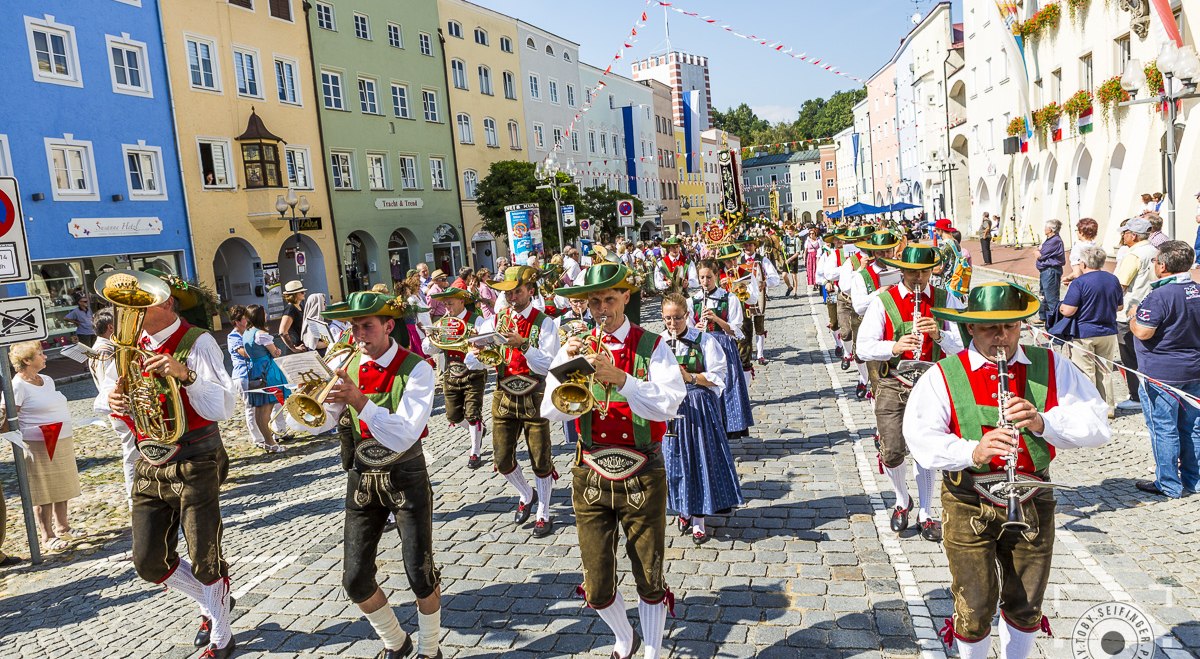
(387, 133)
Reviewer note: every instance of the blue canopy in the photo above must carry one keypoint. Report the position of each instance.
(900, 206)
(856, 210)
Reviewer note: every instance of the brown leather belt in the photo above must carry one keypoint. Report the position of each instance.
(970, 486)
(618, 463)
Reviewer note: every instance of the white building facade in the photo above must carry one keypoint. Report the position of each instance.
(551, 92)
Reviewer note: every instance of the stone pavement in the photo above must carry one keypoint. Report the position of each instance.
(807, 569)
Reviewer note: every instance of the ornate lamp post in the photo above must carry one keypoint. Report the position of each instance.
(547, 171)
(282, 204)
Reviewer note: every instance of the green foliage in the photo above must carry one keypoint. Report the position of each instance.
(818, 118)
(740, 121)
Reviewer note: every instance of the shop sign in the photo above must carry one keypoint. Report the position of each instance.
(305, 224)
(111, 227)
(398, 203)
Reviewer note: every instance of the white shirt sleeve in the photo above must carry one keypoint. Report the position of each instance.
(770, 273)
(716, 367)
(927, 426)
(1081, 417)
(213, 394)
(693, 279)
(736, 316)
(657, 398)
(263, 338)
(401, 429)
(539, 357)
(870, 344)
(485, 325)
(660, 282)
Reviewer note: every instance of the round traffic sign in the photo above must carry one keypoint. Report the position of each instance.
(585, 224)
(8, 214)
(625, 207)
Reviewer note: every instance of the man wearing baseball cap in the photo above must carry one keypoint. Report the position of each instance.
(1135, 272)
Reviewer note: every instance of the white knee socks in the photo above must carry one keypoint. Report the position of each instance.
(697, 525)
(654, 623)
(925, 492)
(476, 430)
(1014, 643)
(517, 478)
(899, 477)
(759, 341)
(256, 435)
(545, 484)
(862, 373)
(615, 617)
(383, 620)
(216, 602)
(977, 650)
(837, 339)
(429, 631)
(184, 581)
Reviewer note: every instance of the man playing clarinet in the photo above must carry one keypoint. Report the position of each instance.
(619, 479)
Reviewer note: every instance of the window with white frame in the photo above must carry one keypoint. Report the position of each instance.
(1123, 51)
(214, 163)
(52, 52)
(395, 37)
(510, 85)
(829, 164)
(286, 85)
(437, 173)
(362, 26)
(409, 178)
(72, 169)
(491, 136)
(530, 44)
(470, 184)
(429, 101)
(127, 64)
(281, 9)
(202, 64)
(368, 97)
(539, 136)
(803, 195)
(556, 132)
(550, 50)
(566, 56)
(341, 167)
(803, 176)
(481, 36)
(591, 141)
(377, 171)
(400, 106)
(1086, 71)
(552, 90)
(829, 182)
(245, 69)
(454, 29)
(465, 133)
(325, 17)
(298, 164)
(571, 95)
(604, 143)
(331, 90)
(458, 73)
(575, 142)
(535, 90)
(514, 135)
(485, 80)
(426, 44)
(758, 181)
(143, 169)
(506, 44)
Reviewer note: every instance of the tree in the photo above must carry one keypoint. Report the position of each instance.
(741, 121)
(818, 119)
(513, 182)
(599, 204)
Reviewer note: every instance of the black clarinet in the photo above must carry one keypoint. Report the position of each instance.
(1016, 516)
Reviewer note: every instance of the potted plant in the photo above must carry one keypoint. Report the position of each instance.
(1046, 117)
(1044, 20)
(1077, 8)
(1154, 78)
(1016, 127)
(1109, 94)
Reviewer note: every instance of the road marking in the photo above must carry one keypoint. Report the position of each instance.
(280, 562)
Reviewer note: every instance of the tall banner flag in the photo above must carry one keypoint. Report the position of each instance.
(731, 199)
(1014, 49)
(524, 224)
(1162, 8)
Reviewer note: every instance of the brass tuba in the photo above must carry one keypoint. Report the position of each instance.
(131, 293)
(574, 395)
(307, 403)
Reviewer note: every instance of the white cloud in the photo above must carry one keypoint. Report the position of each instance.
(776, 113)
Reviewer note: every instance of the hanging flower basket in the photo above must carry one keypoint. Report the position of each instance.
(1077, 8)
(1109, 94)
(1016, 127)
(1046, 117)
(1046, 19)
(1079, 103)
(1154, 78)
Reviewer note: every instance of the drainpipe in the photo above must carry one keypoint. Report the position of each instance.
(312, 62)
(450, 123)
(189, 264)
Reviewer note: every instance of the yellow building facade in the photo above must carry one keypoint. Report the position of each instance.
(246, 120)
(692, 199)
(486, 106)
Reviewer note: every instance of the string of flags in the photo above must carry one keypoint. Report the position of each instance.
(775, 45)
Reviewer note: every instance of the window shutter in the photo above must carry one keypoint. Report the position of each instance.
(281, 9)
(248, 4)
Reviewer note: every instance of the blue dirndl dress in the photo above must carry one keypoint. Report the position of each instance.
(736, 401)
(262, 365)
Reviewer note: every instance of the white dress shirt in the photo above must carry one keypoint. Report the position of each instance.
(1079, 420)
(859, 297)
(538, 357)
(827, 267)
(654, 399)
(661, 282)
(398, 430)
(431, 350)
(716, 367)
(870, 344)
(571, 268)
(736, 314)
(212, 395)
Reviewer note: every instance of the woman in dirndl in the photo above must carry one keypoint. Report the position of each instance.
(701, 475)
(264, 373)
(719, 314)
(812, 247)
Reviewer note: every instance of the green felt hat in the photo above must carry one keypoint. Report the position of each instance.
(514, 277)
(915, 256)
(361, 304)
(995, 302)
(453, 293)
(879, 241)
(186, 297)
(600, 277)
(727, 252)
(672, 241)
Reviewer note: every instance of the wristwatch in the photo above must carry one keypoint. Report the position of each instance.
(191, 378)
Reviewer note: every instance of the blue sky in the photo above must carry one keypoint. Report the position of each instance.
(856, 36)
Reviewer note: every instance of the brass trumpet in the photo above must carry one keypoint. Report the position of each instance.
(493, 356)
(307, 403)
(575, 394)
(572, 327)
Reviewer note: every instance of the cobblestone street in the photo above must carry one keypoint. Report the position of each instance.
(808, 568)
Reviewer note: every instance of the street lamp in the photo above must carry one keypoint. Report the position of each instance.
(548, 171)
(282, 205)
(1173, 62)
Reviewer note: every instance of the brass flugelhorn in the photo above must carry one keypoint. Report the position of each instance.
(494, 355)
(574, 395)
(307, 403)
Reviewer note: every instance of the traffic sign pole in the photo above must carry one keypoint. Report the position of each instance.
(35, 550)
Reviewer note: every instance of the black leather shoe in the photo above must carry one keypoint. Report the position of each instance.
(542, 528)
(860, 391)
(474, 462)
(846, 361)
(637, 645)
(839, 351)
(1150, 487)
(683, 524)
(931, 530)
(900, 516)
(403, 652)
(430, 656)
(699, 538)
(204, 634)
(213, 652)
(524, 509)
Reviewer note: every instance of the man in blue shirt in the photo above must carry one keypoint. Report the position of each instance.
(1092, 301)
(1050, 262)
(1167, 327)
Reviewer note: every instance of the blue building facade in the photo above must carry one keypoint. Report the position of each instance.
(86, 127)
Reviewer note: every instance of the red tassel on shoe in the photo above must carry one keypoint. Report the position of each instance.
(1046, 626)
(947, 632)
(669, 598)
(554, 474)
(581, 593)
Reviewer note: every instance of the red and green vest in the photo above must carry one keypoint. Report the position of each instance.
(621, 427)
(693, 359)
(870, 277)
(855, 259)
(530, 328)
(898, 316)
(722, 308)
(383, 385)
(178, 345)
(973, 410)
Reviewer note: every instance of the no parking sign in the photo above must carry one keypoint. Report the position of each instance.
(14, 250)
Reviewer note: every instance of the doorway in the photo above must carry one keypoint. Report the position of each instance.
(447, 250)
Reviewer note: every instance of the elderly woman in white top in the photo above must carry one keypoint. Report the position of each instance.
(316, 332)
(45, 424)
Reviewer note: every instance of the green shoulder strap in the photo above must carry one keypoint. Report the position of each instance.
(391, 399)
(185, 344)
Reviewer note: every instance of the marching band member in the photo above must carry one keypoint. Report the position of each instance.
(619, 443)
(386, 394)
(530, 343)
(701, 475)
(674, 273)
(887, 336)
(177, 485)
(719, 314)
(951, 424)
(463, 377)
(829, 263)
(852, 261)
(577, 311)
(764, 276)
(871, 277)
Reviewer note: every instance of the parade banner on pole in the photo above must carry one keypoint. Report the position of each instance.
(524, 223)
